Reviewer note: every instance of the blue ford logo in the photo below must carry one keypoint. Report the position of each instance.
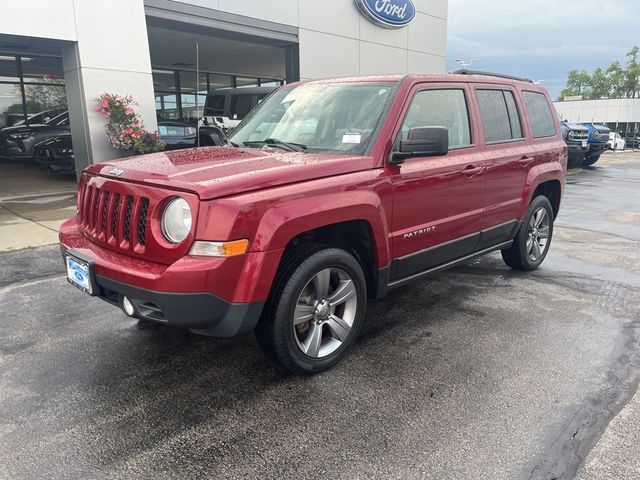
(388, 13)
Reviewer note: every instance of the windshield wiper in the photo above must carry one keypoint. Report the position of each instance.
(274, 142)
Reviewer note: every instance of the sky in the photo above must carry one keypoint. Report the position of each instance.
(541, 39)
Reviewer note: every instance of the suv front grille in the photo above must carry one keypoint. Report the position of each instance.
(578, 135)
(112, 218)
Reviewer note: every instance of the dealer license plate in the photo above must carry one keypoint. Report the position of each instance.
(79, 274)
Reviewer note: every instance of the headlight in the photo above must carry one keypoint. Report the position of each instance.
(573, 135)
(176, 220)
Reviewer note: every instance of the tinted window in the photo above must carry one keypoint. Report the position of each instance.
(539, 114)
(500, 119)
(175, 130)
(440, 108)
(215, 105)
(514, 116)
(240, 105)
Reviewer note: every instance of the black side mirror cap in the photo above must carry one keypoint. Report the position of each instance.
(422, 142)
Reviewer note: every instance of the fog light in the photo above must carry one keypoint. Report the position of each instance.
(127, 306)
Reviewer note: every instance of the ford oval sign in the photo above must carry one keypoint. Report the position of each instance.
(388, 13)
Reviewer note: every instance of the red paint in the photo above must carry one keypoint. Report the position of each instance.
(269, 196)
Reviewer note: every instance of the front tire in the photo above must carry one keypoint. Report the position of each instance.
(315, 310)
(575, 161)
(531, 245)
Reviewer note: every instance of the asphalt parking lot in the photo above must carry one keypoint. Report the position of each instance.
(479, 372)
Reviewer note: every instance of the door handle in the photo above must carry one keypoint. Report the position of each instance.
(471, 171)
(525, 161)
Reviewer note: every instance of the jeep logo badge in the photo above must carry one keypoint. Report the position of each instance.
(388, 13)
(117, 172)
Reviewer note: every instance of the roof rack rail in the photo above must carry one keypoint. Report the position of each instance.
(464, 71)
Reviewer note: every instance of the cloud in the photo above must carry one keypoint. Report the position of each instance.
(542, 39)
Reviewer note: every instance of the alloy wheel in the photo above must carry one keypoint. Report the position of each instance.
(538, 234)
(325, 312)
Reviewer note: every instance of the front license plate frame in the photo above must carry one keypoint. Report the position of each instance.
(80, 273)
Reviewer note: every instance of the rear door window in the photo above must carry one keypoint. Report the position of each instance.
(500, 117)
(539, 113)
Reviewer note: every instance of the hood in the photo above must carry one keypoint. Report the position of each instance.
(576, 126)
(36, 127)
(213, 172)
(20, 129)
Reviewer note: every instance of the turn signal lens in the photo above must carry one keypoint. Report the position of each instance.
(219, 249)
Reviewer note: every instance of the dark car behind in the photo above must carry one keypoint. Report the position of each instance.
(632, 141)
(55, 154)
(576, 137)
(17, 142)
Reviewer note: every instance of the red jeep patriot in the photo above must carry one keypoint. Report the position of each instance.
(330, 192)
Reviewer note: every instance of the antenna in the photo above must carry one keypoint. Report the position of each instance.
(466, 63)
(197, 92)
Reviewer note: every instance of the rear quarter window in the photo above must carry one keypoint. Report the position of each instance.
(539, 113)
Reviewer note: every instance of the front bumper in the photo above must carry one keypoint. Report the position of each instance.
(596, 148)
(51, 162)
(15, 150)
(215, 296)
(201, 312)
(577, 148)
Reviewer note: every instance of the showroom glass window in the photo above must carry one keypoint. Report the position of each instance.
(441, 108)
(31, 89)
(165, 88)
(539, 114)
(193, 95)
(500, 117)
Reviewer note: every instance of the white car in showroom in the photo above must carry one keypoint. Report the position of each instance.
(616, 142)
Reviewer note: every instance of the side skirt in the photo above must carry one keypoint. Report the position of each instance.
(445, 266)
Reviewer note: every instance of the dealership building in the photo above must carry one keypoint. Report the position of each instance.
(621, 115)
(62, 54)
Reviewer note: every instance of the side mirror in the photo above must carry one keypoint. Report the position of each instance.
(422, 142)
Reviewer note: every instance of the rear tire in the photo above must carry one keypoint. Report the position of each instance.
(533, 239)
(315, 310)
(590, 160)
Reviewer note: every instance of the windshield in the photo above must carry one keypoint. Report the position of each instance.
(327, 117)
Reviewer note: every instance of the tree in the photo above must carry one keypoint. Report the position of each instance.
(616, 76)
(632, 77)
(614, 82)
(600, 85)
(578, 83)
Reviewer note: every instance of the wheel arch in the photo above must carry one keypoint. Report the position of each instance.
(546, 179)
(353, 236)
